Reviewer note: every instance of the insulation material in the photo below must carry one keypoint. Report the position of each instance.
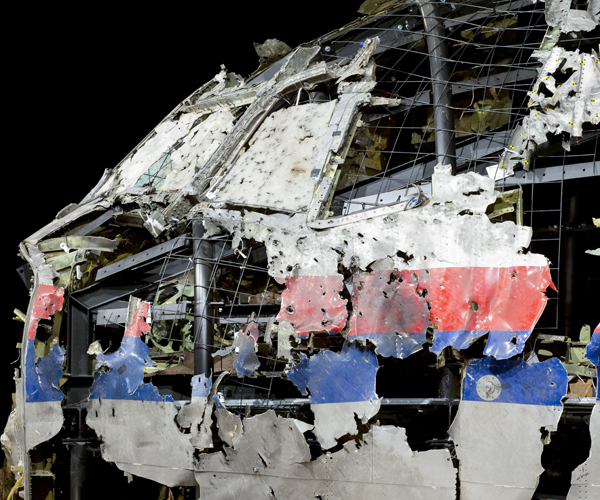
(497, 431)
(449, 242)
(171, 156)
(585, 480)
(275, 170)
(313, 304)
(339, 386)
(387, 310)
(154, 447)
(285, 332)
(279, 466)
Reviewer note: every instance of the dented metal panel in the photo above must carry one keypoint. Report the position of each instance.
(504, 407)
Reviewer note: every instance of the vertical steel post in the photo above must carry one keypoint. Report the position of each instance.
(203, 327)
(79, 468)
(443, 114)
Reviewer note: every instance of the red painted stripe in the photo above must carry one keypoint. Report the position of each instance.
(485, 298)
(313, 304)
(48, 300)
(387, 302)
(138, 325)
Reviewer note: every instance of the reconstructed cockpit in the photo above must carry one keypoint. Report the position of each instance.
(365, 270)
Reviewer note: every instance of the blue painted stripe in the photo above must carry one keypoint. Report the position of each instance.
(125, 376)
(592, 351)
(542, 383)
(499, 345)
(201, 385)
(42, 378)
(330, 377)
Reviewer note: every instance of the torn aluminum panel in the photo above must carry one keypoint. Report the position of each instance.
(388, 311)
(275, 171)
(497, 431)
(245, 360)
(279, 466)
(457, 249)
(42, 413)
(585, 480)
(572, 103)
(170, 157)
(197, 415)
(469, 302)
(339, 386)
(230, 425)
(560, 14)
(154, 446)
(313, 304)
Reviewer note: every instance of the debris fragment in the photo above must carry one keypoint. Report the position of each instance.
(339, 386)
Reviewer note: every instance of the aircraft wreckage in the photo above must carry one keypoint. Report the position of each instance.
(348, 275)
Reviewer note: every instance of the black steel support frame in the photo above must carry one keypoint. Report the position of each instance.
(443, 112)
(203, 327)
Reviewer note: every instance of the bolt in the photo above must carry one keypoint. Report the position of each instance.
(327, 49)
(255, 469)
(400, 27)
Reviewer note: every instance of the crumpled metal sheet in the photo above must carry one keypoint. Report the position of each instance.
(270, 459)
(142, 438)
(468, 302)
(574, 102)
(196, 416)
(42, 378)
(47, 301)
(496, 431)
(388, 310)
(585, 479)
(313, 304)
(339, 386)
